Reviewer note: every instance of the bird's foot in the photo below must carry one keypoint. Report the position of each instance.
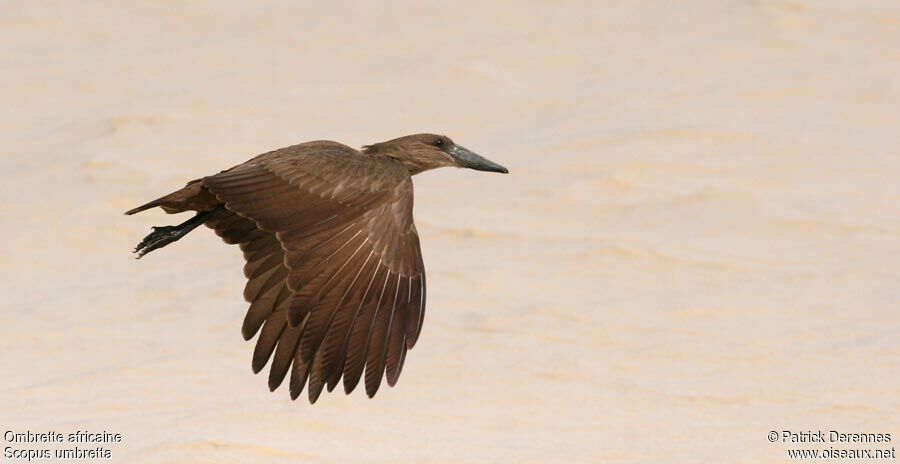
(164, 235)
(160, 237)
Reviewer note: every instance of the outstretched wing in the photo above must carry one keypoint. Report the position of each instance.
(335, 271)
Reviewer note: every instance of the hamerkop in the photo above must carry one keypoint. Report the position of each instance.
(334, 271)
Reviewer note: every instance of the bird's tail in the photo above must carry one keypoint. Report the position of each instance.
(192, 197)
(152, 204)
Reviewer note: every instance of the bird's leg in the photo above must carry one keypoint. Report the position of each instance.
(164, 235)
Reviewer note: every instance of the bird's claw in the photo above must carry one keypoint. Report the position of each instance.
(160, 237)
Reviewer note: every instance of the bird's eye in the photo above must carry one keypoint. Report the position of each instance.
(439, 143)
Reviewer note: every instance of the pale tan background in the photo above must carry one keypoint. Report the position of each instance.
(697, 243)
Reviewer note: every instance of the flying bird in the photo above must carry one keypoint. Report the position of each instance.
(335, 278)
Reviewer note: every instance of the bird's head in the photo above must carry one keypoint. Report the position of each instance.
(422, 152)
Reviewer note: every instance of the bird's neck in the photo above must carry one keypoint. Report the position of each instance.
(414, 164)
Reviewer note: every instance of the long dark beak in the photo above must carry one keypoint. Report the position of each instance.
(466, 158)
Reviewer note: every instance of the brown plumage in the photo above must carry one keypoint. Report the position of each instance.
(335, 277)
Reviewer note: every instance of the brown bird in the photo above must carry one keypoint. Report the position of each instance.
(334, 271)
